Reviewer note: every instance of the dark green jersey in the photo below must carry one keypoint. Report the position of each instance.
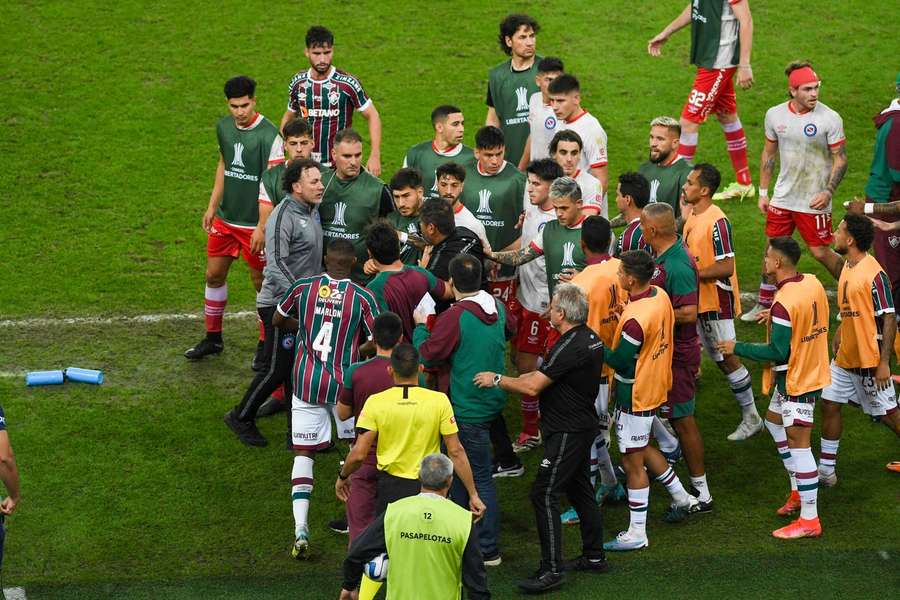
(348, 207)
(426, 159)
(714, 34)
(561, 249)
(497, 201)
(247, 152)
(409, 254)
(666, 182)
(270, 191)
(509, 92)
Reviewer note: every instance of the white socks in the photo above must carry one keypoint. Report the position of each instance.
(301, 490)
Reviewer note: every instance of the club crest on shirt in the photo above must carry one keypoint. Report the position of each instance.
(287, 342)
(894, 241)
(550, 123)
(810, 130)
(333, 96)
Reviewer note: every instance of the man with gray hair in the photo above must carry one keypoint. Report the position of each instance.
(432, 546)
(666, 169)
(567, 384)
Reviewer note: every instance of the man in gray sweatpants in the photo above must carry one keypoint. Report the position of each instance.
(293, 251)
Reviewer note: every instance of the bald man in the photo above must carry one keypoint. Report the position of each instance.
(677, 274)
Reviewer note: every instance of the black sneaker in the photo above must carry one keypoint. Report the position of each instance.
(259, 364)
(206, 347)
(511, 471)
(339, 525)
(246, 432)
(271, 407)
(541, 581)
(583, 563)
(702, 507)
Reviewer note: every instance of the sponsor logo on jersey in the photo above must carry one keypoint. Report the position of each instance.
(324, 291)
(545, 463)
(568, 254)
(521, 99)
(654, 188)
(339, 210)
(238, 160)
(550, 123)
(484, 201)
(810, 130)
(323, 112)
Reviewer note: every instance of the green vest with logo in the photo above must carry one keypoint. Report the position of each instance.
(425, 537)
(496, 201)
(348, 207)
(562, 250)
(666, 183)
(510, 91)
(409, 254)
(426, 160)
(246, 155)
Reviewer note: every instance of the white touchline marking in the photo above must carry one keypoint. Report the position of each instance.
(153, 318)
(15, 593)
(11, 374)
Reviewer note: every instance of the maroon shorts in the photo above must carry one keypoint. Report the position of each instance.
(713, 92)
(361, 503)
(684, 386)
(233, 241)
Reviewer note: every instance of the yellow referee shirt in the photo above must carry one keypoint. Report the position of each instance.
(410, 421)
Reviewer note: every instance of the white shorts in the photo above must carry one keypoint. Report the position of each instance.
(800, 414)
(712, 331)
(311, 425)
(601, 403)
(632, 431)
(847, 386)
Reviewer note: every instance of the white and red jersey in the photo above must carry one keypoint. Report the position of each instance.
(543, 125)
(534, 293)
(463, 217)
(805, 141)
(593, 139)
(592, 197)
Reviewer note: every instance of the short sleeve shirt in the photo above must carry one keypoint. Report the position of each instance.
(593, 139)
(410, 422)
(805, 141)
(677, 274)
(574, 364)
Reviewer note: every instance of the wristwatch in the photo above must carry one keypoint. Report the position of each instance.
(497, 378)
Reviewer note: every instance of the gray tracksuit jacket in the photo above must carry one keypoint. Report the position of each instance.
(293, 249)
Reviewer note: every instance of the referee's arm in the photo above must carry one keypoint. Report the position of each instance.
(474, 578)
(364, 548)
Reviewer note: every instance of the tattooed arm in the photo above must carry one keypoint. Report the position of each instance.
(514, 258)
(838, 169)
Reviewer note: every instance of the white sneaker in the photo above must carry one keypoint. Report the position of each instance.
(827, 479)
(746, 429)
(753, 315)
(626, 541)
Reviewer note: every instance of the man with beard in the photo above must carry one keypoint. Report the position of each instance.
(666, 170)
(326, 97)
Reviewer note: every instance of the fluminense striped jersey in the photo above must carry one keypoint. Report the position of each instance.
(327, 105)
(331, 313)
(632, 238)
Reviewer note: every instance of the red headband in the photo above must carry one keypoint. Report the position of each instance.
(802, 76)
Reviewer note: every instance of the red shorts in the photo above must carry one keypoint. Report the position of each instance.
(505, 291)
(815, 229)
(713, 91)
(233, 241)
(552, 337)
(531, 335)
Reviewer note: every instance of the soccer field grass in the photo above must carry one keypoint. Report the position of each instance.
(136, 489)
